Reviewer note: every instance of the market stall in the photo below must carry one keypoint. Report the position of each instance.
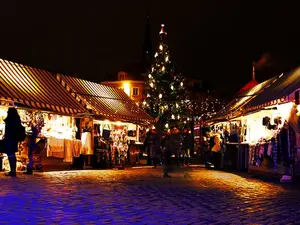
(38, 98)
(118, 124)
(272, 120)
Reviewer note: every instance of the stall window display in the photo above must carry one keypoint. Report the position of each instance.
(118, 136)
(273, 135)
(56, 132)
(60, 132)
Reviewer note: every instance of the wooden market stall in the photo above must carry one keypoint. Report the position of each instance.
(36, 94)
(116, 125)
(273, 125)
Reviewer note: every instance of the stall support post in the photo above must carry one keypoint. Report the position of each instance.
(137, 133)
(193, 136)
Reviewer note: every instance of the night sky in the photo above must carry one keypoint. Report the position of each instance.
(211, 40)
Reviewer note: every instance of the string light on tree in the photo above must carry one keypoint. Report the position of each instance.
(166, 100)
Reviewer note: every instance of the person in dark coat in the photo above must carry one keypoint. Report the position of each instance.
(31, 146)
(147, 146)
(174, 145)
(167, 154)
(154, 141)
(187, 146)
(11, 139)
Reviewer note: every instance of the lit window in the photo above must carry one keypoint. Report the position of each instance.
(135, 91)
(121, 77)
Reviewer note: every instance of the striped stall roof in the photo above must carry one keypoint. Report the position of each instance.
(233, 108)
(107, 101)
(278, 92)
(35, 88)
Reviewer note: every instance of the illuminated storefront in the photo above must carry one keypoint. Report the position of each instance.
(35, 91)
(119, 125)
(266, 117)
(71, 110)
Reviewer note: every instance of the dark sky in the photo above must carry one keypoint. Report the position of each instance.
(211, 40)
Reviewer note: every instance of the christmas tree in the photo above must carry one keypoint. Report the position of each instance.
(165, 90)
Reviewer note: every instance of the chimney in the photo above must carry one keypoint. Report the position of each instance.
(253, 72)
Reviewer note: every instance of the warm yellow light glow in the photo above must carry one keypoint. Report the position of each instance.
(160, 95)
(255, 128)
(144, 102)
(172, 88)
(177, 105)
(173, 117)
(160, 47)
(149, 75)
(167, 125)
(163, 68)
(126, 86)
(151, 85)
(155, 55)
(181, 84)
(167, 59)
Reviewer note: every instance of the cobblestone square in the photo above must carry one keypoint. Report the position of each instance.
(142, 196)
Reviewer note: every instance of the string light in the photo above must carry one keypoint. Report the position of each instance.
(163, 68)
(156, 54)
(160, 47)
(160, 95)
(150, 76)
(181, 84)
(172, 87)
(151, 85)
(167, 59)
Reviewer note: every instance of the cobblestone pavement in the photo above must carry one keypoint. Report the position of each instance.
(142, 196)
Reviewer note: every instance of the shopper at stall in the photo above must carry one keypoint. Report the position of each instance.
(11, 138)
(216, 151)
(147, 146)
(207, 149)
(187, 146)
(153, 142)
(31, 146)
(167, 155)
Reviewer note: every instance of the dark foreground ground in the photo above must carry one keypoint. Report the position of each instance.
(142, 196)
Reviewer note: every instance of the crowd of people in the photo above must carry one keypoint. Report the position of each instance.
(161, 146)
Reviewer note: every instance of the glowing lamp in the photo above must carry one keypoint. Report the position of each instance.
(126, 86)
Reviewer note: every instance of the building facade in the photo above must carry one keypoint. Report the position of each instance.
(132, 87)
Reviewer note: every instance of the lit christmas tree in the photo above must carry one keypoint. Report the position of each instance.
(165, 90)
